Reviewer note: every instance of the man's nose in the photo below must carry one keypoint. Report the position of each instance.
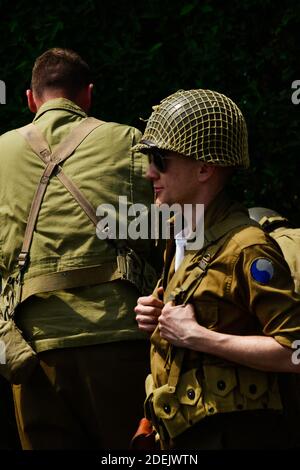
(152, 173)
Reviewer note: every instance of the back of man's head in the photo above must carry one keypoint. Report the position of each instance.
(60, 70)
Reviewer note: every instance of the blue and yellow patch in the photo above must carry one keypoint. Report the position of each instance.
(262, 270)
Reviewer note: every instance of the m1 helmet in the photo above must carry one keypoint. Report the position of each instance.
(200, 124)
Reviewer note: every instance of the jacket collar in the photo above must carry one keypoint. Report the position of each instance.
(59, 103)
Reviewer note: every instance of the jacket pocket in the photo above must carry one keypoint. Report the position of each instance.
(206, 313)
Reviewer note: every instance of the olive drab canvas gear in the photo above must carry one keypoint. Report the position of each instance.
(185, 387)
(20, 358)
(201, 124)
(129, 266)
(66, 252)
(287, 237)
(79, 290)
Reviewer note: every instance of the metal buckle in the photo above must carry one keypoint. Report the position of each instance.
(204, 262)
(23, 259)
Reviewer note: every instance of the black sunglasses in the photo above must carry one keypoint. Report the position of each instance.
(159, 159)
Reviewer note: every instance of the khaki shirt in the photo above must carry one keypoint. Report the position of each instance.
(103, 168)
(235, 296)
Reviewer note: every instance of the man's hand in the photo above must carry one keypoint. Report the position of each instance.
(178, 325)
(148, 310)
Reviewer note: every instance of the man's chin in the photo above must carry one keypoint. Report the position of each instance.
(159, 201)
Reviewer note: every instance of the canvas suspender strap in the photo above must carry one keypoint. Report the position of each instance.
(128, 265)
(126, 259)
(52, 161)
(60, 154)
(37, 142)
(33, 214)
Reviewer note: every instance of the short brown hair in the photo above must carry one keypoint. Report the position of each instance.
(60, 69)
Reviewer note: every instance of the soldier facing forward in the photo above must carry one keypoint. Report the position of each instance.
(225, 316)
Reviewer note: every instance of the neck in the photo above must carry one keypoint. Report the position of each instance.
(80, 100)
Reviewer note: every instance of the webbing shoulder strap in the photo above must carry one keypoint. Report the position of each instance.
(76, 277)
(39, 145)
(52, 160)
(14, 285)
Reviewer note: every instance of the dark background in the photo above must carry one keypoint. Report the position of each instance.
(143, 50)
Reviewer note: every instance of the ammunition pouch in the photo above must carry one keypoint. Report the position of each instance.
(211, 390)
(17, 358)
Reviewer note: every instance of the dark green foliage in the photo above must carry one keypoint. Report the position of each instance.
(143, 50)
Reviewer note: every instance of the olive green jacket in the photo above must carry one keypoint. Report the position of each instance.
(103, 168)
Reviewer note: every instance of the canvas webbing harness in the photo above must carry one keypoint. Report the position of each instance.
(17, 290)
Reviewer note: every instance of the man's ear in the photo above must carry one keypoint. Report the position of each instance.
(88, 97)
(204, 172)
(31, 101)
(91, 87)
(84, 97)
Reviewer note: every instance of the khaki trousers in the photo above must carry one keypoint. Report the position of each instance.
(83, 398)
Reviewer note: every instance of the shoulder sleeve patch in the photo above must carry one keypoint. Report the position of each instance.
(262, 270)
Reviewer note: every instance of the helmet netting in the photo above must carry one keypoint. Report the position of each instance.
(201, 124)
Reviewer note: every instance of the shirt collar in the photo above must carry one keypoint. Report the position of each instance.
(59, 103)
(217, 210)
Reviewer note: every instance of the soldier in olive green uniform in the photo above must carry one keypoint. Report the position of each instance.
(223, 317)
(77, 309)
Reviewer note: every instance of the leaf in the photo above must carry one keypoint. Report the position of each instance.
(186, 9)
